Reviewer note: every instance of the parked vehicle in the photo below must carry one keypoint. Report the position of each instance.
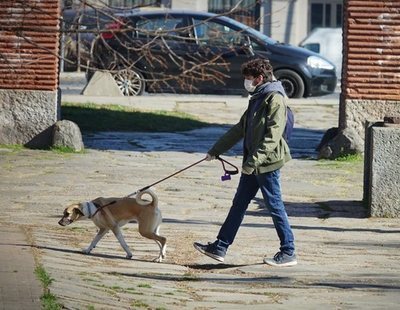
(80, 27)
(198, 52)
(328, 43)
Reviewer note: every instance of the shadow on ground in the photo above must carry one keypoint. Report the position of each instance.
(319, 209)
(302, 144)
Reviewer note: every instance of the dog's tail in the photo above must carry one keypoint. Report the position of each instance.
(142, 202)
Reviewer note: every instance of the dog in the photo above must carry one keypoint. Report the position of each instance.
(113, 213)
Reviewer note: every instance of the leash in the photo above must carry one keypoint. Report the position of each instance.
(225, 177)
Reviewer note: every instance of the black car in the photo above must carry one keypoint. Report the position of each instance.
(197, 52)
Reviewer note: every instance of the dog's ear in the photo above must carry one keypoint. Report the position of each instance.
(79, 211)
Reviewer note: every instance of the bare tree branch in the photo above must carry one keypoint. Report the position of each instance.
(152, 47)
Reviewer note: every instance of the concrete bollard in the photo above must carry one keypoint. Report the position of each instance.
(382, 168)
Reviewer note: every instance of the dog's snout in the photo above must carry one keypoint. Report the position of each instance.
(64, 222)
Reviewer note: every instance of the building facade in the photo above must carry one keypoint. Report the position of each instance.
(290, 21)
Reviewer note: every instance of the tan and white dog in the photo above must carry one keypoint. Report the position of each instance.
(113, 213)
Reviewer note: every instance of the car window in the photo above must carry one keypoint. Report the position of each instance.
(216, 34)
(166, 26)
(314, 47)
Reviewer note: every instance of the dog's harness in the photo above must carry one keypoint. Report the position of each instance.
(226, 176)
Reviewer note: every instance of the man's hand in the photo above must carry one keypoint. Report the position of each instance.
(209, 157)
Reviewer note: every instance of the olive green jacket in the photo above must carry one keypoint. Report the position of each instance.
(269, 150)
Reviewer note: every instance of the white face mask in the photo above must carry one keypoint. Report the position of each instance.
(248, 85)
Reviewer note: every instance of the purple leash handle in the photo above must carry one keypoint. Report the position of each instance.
(228, 173)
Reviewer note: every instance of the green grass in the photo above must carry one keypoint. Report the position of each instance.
(43, 276)
(91, 117)
(139, 304)
(63, 150)
(350, 158)
(49, 301)
(13, 147)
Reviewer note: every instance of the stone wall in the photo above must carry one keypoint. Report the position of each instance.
(357, 112)
(27, 117)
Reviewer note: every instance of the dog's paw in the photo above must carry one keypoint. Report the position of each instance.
(128, 256)
(158, 259)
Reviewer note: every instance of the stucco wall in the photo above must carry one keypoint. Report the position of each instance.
(289, 20)
(189, 4)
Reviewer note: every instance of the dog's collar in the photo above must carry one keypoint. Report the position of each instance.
(91, 208)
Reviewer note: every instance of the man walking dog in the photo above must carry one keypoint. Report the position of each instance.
(265, 151)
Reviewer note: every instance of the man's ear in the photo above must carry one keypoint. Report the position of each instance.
(259, 80)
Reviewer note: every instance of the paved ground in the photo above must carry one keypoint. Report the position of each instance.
(19, 287)
(346, 260)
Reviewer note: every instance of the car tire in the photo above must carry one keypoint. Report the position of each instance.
(291, 82)
(130, 82)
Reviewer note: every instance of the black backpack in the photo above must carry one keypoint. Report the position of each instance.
(287, 134)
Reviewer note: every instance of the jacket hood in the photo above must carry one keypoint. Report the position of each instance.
(263, 89)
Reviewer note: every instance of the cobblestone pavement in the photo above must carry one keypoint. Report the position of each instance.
(346, 260)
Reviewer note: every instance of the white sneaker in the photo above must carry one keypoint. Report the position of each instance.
(281, 260)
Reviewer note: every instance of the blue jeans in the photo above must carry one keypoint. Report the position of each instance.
(269, 183)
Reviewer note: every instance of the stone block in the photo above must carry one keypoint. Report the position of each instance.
(102, 84)
(382, 179)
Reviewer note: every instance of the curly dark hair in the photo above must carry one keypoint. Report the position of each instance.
(257, 67)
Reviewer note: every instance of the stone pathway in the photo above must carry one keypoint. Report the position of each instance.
(19, 288)
(346, 260)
